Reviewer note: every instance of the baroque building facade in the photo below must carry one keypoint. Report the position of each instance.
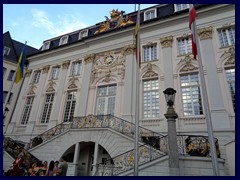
(81, 88)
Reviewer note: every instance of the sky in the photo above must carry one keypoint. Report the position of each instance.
(36, 23)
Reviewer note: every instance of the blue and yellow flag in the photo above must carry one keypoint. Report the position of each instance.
(20, 70)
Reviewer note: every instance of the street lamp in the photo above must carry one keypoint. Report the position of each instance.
(171, 116)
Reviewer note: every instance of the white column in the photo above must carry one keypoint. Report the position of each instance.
(95, 159)
(166, 43)
(76, 158)
(129, 98)
(219, 114)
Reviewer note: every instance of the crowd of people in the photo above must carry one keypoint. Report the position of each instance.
(54, 168)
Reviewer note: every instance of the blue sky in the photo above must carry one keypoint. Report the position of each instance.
(35, 23)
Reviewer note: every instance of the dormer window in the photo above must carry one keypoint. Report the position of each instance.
(150, 14)
(46, 45)
(180, 7)
(6, 51)
(83, 33)
(63, 40)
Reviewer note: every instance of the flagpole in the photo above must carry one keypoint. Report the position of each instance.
(11, 86)
(137, 99)
(206, 106)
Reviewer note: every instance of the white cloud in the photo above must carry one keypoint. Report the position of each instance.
(62, 25)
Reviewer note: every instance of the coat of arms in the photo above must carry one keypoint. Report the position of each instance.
(117, 20)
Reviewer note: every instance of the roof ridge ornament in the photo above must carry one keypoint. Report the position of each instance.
(117, 20)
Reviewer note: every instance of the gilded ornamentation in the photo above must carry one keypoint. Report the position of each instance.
(89, 58)
(46, 68)
(117, 20)
(65, 64)
(205, 33)
(28, 73)
(166, 41)
(127, 50)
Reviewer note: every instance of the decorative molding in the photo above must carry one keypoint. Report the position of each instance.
(188, 64)
(219, 70)
(28, 73)
(89, 58)
(65, 64)
(161, 78)
(205, 33)
(46, 69)
(150, 74)
(31, 90)
(128, 50)
(51, 87)
(166, 41)
(72, 83)
(230, 56)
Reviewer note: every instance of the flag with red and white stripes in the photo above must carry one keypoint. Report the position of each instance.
(192, 26)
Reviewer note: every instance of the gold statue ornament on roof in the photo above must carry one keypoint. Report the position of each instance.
(117, 20)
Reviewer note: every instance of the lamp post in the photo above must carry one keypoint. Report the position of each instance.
(171, 116)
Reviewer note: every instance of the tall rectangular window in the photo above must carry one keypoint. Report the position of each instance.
(47, 108)
(6, 51)
(230, 74)
(70, 106)
(10, 76)
(106, 96)
(150, 53)
(27, 110)
(76, 68)
(184, 46)
(55, 73)
(191, 95)
(226, 36)
(151, 99)
(36, 76)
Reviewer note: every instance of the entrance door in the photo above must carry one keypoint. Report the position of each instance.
(106, 99)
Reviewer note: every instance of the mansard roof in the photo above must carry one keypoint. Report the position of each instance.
(162, 11)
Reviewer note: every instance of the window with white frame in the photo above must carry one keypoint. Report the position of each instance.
(47, 108)
(184, 46)
(150, 14)
(11, 74)
(106, 96)
(180, 7)
(191, 95)
(63, 40)
(46, 45)
(83, 33)
(151, 98)
(226, 36)
(76, 68)
(36, 76)
(27, 109)
(70, 106)
(55, 73)
(230, 74)
(150, 53)
(6, 51)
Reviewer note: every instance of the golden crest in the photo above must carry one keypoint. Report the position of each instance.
(117, 20)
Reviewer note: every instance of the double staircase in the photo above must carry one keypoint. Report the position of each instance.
(152, 145)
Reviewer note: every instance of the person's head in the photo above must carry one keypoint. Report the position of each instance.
(62, 159)
(56, 163)
(51, 165)
(45, 164)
